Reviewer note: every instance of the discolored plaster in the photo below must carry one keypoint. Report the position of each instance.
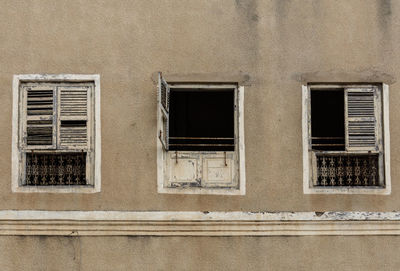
(369, 75)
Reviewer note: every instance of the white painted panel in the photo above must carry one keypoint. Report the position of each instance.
(184, 171)
(217, 173)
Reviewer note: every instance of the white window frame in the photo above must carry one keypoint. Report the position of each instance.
(165, 157)
(95, 182)
(308, 187)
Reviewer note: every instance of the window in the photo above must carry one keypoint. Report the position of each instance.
(200, 138)
(346, 139)
(56, 133)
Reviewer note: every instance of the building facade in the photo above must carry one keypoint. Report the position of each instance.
(270, 200)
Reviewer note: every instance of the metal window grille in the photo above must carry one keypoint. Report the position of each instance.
(55, 169)
(347, 170)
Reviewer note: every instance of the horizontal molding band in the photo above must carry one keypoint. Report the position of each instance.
(112, 223)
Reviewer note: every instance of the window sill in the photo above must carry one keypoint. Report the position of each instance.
(56, 189)
(201, 191)
(374, 190)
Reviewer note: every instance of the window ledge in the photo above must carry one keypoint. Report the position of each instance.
(201, 191)
(374, 190)
(57, 189)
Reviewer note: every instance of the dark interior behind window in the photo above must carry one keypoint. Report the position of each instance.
(201, 119)
(327, 119)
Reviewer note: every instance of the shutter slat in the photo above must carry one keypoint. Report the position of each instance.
(39, 104)
(361, 119)
(73, 117)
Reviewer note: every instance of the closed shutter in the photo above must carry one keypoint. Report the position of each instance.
(40, 117)
(163, 104)
(362, 119)
(73, 117)
(56, 133)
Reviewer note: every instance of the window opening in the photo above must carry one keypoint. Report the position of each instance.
(327, 114)
(345, 137)
(201, 119)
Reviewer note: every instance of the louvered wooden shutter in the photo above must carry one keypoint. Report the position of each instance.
(40, 117)
(163, 104)
(73, 117)
(362, 119)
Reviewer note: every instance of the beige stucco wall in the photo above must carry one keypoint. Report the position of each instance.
(201, 253)
(272, 47)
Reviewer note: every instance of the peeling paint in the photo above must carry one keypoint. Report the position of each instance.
(319, 213)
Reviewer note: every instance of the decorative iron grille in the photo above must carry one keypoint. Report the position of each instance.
(347, 170)
(55, 169)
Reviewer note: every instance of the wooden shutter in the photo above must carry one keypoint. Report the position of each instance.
(362, 119)
(163, 105)
(73, 117)
(40, 117)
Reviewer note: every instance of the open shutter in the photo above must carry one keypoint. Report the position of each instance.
(361, 106)
(73, 117)
(163, 105)
(40, 117)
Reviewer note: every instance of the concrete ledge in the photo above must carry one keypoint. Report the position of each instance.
(111, 223)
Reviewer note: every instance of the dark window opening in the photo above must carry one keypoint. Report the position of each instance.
(327, 120)
(201, 120)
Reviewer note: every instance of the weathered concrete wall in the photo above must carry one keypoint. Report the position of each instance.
(274, 45)
(201, 253)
